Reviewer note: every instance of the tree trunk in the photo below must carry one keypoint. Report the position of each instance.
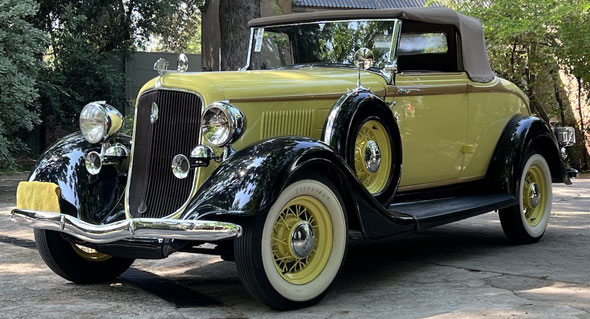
(558, 98)
(512, 57)
(582, 129)
(233, 24)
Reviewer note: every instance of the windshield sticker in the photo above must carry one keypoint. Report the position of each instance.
(259, 36)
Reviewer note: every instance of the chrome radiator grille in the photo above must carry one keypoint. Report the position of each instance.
(153, 190)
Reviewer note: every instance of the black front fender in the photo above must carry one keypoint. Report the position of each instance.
(94, 199)
(251, 180)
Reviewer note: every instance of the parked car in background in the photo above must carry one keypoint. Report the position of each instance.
(343, 125)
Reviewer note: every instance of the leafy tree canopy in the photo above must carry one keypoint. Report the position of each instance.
(89, 41)
(526, 36)
(529, 41)
(21, 45)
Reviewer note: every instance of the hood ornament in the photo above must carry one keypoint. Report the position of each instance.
(182, 64)
(161, 66)
(363, 59)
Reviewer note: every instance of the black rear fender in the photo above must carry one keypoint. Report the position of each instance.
(522, 134)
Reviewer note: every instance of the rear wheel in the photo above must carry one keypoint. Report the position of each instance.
(75, 262)
(290, 256)
(527, 222)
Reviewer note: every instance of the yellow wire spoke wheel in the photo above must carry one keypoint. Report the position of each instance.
(303, 265)
(300, 241)
(526, 222)
(372, 156)
(534, 195)
(89, 253)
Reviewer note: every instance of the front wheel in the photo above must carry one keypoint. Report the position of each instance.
(77, 263)
(527, 222)
(290, 256)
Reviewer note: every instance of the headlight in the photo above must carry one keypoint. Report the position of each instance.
(99, 120)
(223, 123)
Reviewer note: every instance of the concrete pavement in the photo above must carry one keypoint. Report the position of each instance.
(463, 270)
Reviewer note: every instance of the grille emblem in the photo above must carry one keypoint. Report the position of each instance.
(142, 207)
(154, 115)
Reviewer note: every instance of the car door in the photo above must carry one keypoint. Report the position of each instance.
(429, 99)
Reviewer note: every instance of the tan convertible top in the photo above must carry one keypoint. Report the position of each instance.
(475, 57)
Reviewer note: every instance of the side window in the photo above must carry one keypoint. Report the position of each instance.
(423, 43)
(428, 48)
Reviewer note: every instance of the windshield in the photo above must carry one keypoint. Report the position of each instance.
(320, 43)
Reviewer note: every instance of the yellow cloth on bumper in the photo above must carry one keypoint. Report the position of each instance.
(38, 196)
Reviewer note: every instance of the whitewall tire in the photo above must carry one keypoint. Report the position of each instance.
(289, 257)
(527, 222)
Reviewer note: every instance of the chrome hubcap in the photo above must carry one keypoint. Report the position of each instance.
(372, 156)
(534, 195)
(302, 239)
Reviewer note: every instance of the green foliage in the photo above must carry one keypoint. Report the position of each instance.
(119, 26)
(90, 41)
(58, 55)
(529, 41)
(128, 125)
(77, 74)
(574, 42)
(183, 33)
(21, 44)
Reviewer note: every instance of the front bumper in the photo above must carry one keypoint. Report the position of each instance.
(133, 228)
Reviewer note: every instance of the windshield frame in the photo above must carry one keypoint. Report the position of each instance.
(386, 71)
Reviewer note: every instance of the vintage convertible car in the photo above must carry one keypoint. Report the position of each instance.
(343, 125)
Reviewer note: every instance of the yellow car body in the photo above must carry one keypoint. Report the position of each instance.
(449, 124)
(313, 144)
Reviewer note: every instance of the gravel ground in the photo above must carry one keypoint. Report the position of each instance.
(463, 270)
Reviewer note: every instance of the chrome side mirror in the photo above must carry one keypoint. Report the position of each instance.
(363, 59)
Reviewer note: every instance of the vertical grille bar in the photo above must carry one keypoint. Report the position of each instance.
(153, 190)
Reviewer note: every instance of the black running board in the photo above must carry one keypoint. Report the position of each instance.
(436, 212)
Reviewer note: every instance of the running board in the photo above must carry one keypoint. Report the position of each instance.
(436, 212)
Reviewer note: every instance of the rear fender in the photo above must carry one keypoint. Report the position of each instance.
(521, 134)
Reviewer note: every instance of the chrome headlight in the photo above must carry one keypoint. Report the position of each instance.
(222, 123)
(99, 120)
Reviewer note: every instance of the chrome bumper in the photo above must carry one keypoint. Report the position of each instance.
(201, 230)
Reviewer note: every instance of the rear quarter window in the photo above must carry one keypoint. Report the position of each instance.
(427, 47)
(423, 43)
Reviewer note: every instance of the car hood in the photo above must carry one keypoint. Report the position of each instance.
(267, 84)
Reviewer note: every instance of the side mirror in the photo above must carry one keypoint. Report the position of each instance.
(363, 58)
